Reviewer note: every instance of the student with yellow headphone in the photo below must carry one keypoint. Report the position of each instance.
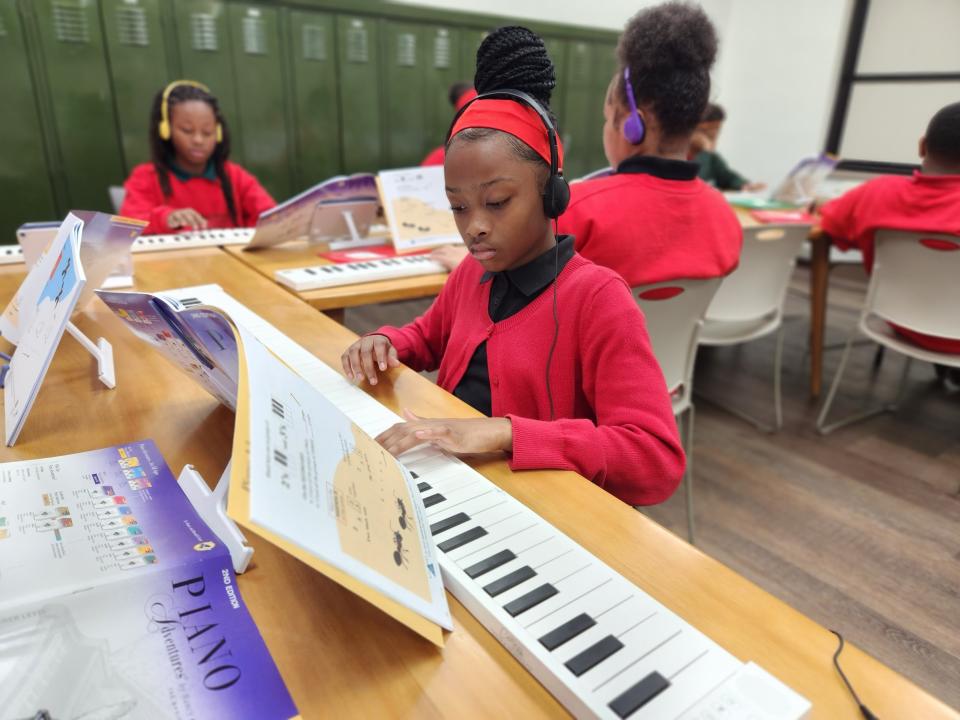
(189, 182)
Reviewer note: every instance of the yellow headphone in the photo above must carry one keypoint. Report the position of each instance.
(163, 130)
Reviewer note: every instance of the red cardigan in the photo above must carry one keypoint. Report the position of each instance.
(922, 203)
(651, 229)
(145, 199)
(614, 422)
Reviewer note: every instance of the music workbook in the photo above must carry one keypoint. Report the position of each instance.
(303, 476)
(417, 209)
(117, 601)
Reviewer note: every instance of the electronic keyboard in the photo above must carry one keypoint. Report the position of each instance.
(601, 645)
(10, 254)
(314, 277)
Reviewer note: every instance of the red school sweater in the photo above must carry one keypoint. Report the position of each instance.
(145, 199)
(652, 229)
(921, 203)
(614, 422)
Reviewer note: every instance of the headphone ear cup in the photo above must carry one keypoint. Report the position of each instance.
(634, 129)
(163, 130)
(219, 133)
(556, 196)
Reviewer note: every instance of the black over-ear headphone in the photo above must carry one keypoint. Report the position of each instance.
(556, 195)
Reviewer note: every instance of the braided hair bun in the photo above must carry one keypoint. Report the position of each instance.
(670, 49)
(516, 58)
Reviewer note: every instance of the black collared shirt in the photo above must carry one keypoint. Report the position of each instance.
(510, 292)
(663, 168)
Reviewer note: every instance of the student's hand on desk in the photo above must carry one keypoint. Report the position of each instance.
(186, 217)
(754, 186)
(367, 355)
(449, 255)
(462, 436)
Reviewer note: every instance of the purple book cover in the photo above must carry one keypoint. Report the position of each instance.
(116, 599)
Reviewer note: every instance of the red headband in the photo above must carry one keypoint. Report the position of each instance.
(464, 99)
(511, 117)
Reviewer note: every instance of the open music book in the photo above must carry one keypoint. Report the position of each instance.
(117, 600)
(417, 209)
(303, 476)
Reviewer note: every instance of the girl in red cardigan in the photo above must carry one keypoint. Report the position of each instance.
(549, 346)
(189, 182)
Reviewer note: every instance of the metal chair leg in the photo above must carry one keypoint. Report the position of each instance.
(688, 476)
(777, 368)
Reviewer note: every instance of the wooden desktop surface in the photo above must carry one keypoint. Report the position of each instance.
(300, 254)
(339, 656)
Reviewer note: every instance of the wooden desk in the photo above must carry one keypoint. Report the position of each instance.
(333, 300)
(819, 276)
(338, 655)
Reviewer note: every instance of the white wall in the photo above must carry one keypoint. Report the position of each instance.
(777, 80)
(776, 74)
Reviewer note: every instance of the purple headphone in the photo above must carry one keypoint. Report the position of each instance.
(633, 128)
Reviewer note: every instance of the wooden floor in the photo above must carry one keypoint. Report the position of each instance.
(859, 530)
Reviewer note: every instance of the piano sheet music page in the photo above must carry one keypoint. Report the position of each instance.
(319, 481)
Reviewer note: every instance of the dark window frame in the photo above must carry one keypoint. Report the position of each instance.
(849, 76)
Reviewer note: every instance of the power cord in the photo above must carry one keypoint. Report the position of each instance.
(864, 710)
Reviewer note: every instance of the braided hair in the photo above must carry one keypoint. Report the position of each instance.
(162, 152)
(669, 49)
(514, 58)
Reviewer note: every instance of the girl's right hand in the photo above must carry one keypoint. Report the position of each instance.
(186, 217)
(367, 355)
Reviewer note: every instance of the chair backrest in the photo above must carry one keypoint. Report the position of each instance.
(674, 314)
(758, 286)
(117, 194)
(916, 282)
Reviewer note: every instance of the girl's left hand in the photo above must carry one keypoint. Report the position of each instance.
(456, 435)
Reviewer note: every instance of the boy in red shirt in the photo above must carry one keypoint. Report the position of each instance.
(549, 346)
(460, 94)
(653, 219)
(189, 181)
(927, 201)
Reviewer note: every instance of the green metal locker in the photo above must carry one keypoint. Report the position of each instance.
(358, 44)
(604, 66)
(139, 66)
(25, 186)
(204, 43)
(443, 69)
(580, 110)
(313, 61)
(470, 41)
(404, 66)
(261, 101)
(80, 94)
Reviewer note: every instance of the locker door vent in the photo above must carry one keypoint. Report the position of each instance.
(254, 35)
(314, 43)
(132, 26)
(203, 32)
(70, 23)
(358, 50)
(441, 50)
(406, 50)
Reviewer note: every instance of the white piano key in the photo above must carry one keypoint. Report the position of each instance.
(648, 636)
(313, 277)
(458, 498)
(592, 599)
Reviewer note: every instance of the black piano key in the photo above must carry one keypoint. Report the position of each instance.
(593, 655)
(462, 539)
(508, 581)
(491, 563)
(531, 599)
(433, 500)
(568, 631)
(423, 486)
(413, 475)
(447, 523)
(639, 695)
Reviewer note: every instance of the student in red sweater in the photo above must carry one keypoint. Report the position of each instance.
(460, 94)
(189, 182)
(549, 346)
(653, 219)
(927, 201)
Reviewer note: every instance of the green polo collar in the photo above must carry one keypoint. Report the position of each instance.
(209, 173)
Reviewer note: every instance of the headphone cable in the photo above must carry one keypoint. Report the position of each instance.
(864, 710)
(556, 316)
